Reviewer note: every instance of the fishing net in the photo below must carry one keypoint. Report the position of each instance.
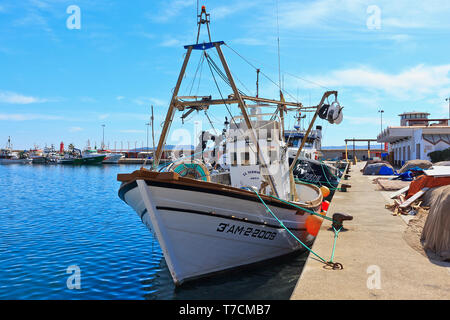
(378, 169)
(436, 232)
(424, 164)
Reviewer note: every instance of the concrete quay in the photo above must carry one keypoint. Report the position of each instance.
(378, 263)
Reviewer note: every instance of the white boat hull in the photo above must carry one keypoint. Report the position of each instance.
(203, 233)
(15, 161)
(112, 158)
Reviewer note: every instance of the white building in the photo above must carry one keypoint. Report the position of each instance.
(416, 137)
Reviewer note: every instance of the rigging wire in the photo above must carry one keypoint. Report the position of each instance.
(235, 77)
(278, 41)
(226, 105)
(200, 62)
(266, 76)
(285, 72)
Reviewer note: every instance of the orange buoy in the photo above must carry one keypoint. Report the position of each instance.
(313, 224)
(325, 205)
(325, 191)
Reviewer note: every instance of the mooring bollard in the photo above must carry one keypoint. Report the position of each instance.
(344, 187)
(339, 218)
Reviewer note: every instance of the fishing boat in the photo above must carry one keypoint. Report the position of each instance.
(317, 173)
(90, 157)
(8, 156)
(293, 138)
(208, 218)
(110, 157)
(37, 156)
(77, 157)
(50, 154)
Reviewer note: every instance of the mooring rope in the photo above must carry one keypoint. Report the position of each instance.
(289, 231)
(330, 263)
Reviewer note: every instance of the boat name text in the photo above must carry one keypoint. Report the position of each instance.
(248, 232)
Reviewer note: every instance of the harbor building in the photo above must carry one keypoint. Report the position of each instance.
(361, 153)
(416, 137)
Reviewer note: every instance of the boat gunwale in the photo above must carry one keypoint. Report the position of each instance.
(174, 180)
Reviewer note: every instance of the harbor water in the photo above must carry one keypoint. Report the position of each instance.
(55, 219)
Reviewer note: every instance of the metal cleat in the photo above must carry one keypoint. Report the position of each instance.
(344, 187)
(339, 218)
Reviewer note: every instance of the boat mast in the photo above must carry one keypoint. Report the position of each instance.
(171, 111)
(153, 131)
(247, 120)
(202, 18)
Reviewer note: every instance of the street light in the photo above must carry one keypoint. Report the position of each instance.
(448, 99)
(381, 111)
(147, 124)
(103, 140)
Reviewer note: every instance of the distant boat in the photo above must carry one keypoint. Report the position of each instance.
(312, 147)
(90, 157)
(317, 173)
(110, 158)
(82, 158)
(37, 156)
(7, 156)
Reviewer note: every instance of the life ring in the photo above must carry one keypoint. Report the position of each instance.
(192, 169)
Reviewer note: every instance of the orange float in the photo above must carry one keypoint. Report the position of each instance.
(325, 191)
(313, 224)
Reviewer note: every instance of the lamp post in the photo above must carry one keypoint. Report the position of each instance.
(147, 124)
(381, 128)
(448, 99)
(103, 140)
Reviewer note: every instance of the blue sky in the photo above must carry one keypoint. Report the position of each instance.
(60, 84)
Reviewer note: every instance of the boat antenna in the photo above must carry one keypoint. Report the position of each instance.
(257, 82)
(203, 18)
(153, 130)
(278, 43)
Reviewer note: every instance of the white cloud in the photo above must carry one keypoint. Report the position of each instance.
(169, 10)
(221, 12)
(417, 81)
(132, 131)
(148, 101)
(16, 98)
(250, 41)
(120, 98)
(171, 43)
(27, 117)
(75, 129)
(340, 15)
